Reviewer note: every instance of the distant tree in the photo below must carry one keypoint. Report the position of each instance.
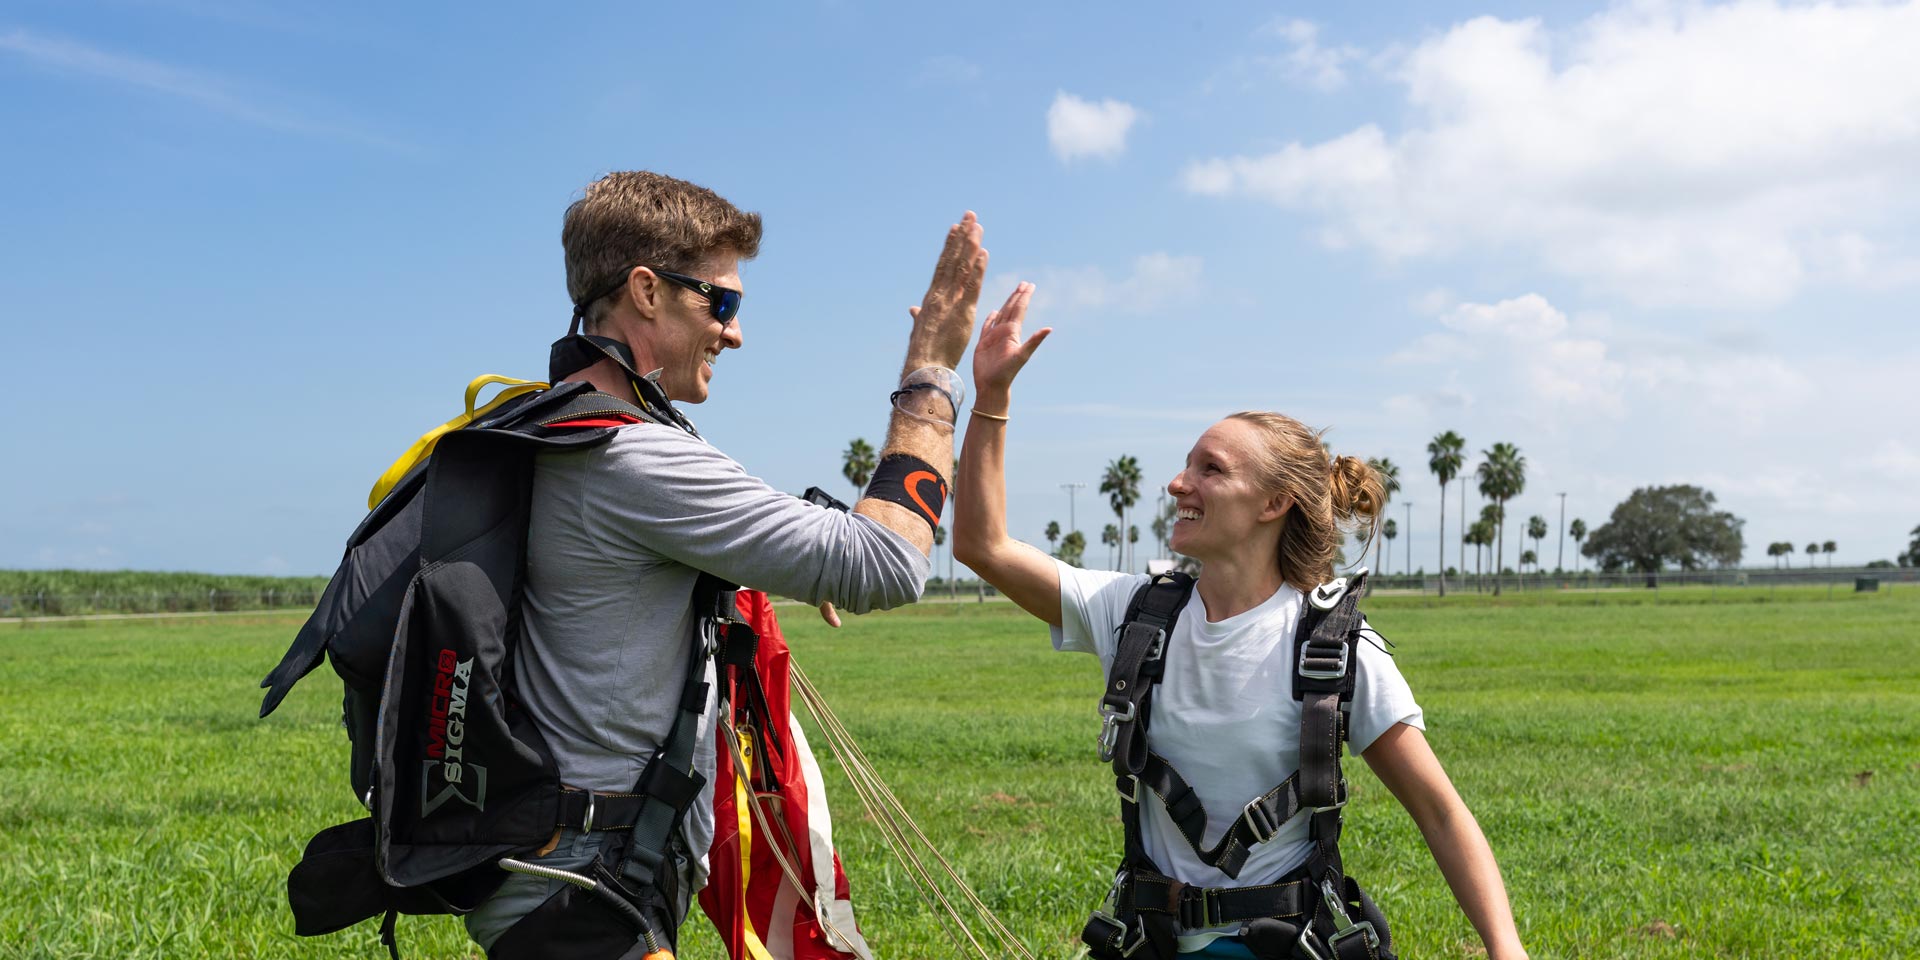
(1121, 484)
(1110, 538)
(1578, 531)
(1053, 533)
(1133, 537)
(1813, 549)
(1912, 556)
(857, 464)
(1480, 535)
(1390, 482)
(1388, 531)
(1879, 564)
(1502, 477)
(1776, 550)
(1163, 526)
(1656, 526)
(1526, 557)
(1073, 548)
(1828, 548)
(1536, 531)
(939, 540)
(1445, 457)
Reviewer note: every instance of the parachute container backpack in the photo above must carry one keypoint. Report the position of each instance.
(420, 623)
(1315, 912)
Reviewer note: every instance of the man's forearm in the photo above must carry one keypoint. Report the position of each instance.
(932, 443)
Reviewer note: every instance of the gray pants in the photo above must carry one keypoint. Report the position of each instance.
(521, 894)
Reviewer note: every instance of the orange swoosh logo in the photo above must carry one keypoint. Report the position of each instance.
(912, 484)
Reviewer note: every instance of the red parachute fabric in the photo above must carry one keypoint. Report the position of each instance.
(755, 906)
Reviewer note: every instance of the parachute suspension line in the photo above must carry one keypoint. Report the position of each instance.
(792, 873)
(896, 825)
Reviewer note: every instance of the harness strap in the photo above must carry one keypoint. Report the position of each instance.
(1196, 907)
(1259, 820)
(1139, 661)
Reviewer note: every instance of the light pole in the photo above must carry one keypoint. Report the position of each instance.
(1071, 489)
(1561, 563)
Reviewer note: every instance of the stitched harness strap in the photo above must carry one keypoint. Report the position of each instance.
(1198, 907)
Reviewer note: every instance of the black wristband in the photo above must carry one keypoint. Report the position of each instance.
(912, 483)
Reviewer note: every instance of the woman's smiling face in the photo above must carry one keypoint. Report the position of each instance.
(1218, 498)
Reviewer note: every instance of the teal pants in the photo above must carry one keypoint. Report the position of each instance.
(1225, 948)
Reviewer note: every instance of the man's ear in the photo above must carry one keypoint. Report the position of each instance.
(643, 291)
(1277, 507)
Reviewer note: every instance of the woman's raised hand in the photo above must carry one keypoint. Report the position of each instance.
(1000, 354)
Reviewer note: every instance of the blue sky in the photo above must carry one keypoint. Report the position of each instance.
(251, 250)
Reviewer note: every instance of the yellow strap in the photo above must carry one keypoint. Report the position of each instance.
(742, 796)
(423, 447)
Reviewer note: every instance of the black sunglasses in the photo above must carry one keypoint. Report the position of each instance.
(723, 303)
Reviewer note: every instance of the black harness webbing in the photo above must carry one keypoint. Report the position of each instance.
(1311, 913)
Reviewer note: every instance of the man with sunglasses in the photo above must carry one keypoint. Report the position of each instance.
(620, 533)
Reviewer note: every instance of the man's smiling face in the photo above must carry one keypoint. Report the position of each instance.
(687, 340)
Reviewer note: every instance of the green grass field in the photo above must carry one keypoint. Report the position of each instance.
(1692, 775)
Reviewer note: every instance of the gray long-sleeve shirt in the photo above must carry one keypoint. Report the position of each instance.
(618, 535)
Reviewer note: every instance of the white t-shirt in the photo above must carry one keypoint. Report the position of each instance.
(1225, 717)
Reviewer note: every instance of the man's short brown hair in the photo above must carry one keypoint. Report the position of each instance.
(636, 218)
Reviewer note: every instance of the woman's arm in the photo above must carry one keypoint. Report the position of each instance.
(1402, 759)
(980, 539)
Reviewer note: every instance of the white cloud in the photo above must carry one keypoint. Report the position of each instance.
(1674, 153)
(1082, 128)
(1155, 280)
(1323, 68)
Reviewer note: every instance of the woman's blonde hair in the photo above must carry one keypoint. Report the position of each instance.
(1330, 496)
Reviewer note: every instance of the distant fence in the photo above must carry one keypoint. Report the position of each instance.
(1835, 577)
(51, 604)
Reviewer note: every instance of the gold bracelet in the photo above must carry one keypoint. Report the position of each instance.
(990, 416)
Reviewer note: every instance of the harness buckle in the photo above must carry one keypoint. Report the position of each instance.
(586, 822)
(1335, 672)
(1132, 793)
(1194, 909)
(1260, 823)
(1113, 934)
(1336, 908)
(1110, 721)
(1362, 929)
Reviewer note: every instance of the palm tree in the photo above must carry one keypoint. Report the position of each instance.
(1121, 484)
(1536, 529)
(1133, 537)
(1390, 483)
(858, 463)
(1812, 548)
(1489, 526)
(1828, 548)
(1163, 526)
(1073, 547)
(1773, 550)
(1480, 534)
(1502, 477)
(1786, 553)
(1578, 531)
(1444, 458)
(1526, 557)
(1110, 538)
(1388, 531)
(939, 540)
(1053, 533)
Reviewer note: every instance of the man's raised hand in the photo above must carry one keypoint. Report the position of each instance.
(943, 322)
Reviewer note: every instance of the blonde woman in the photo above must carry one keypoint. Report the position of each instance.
(1264, 509)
